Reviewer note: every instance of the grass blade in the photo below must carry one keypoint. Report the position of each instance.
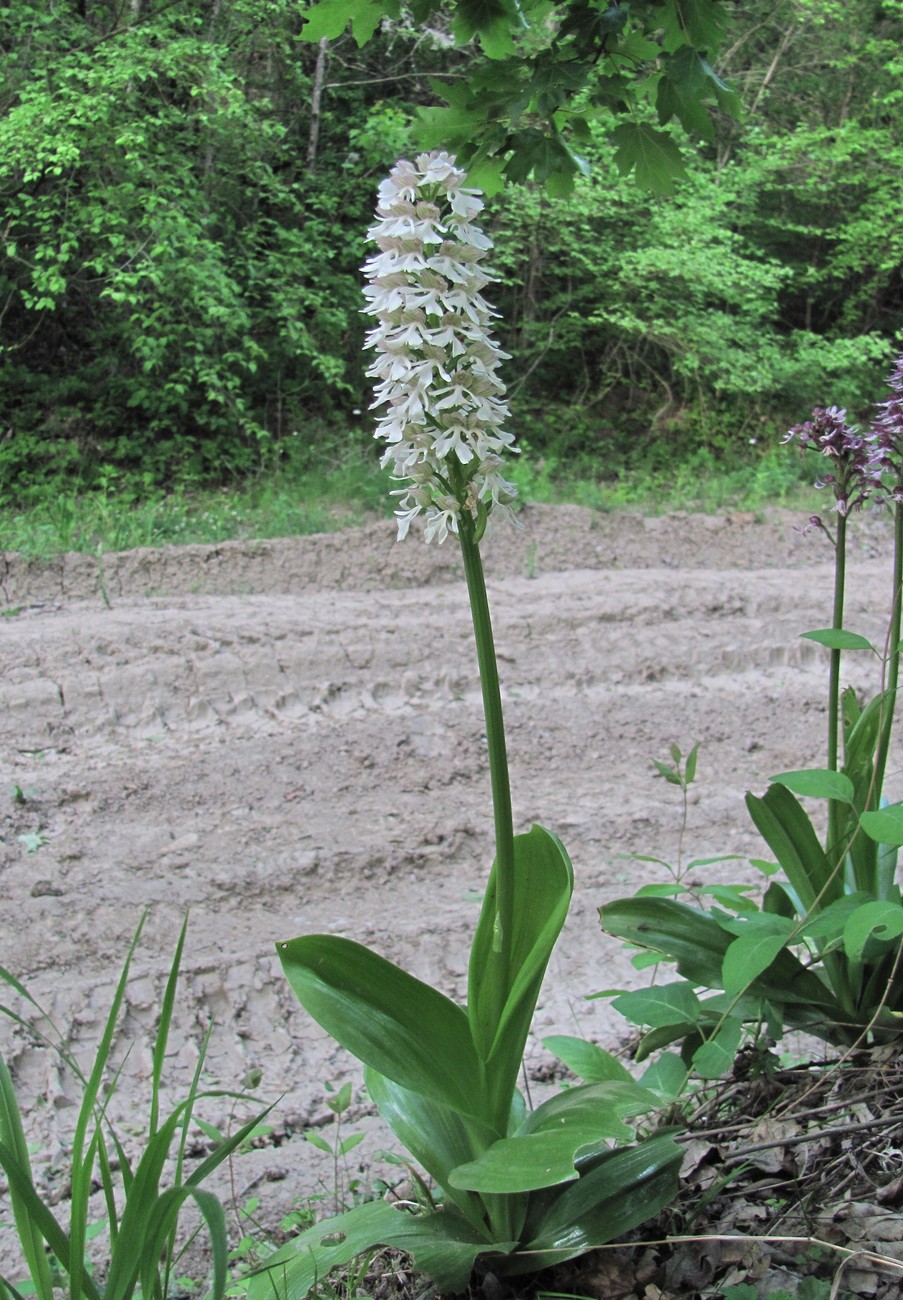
(162, 1037)
(45, 1223)
(82, 1163)
(12, 1136)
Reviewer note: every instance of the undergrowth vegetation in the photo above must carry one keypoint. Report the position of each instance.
(122, 512)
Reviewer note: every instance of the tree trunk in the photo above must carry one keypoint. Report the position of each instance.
(315, 99)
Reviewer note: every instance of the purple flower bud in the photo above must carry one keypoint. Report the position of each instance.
(886, 436)
(828, 434)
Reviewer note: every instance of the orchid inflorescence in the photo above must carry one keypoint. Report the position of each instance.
(436, 359)
(887, 433)
(860, 461)
(828, 433)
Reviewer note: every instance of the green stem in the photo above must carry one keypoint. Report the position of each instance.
(840, 556)
(893, 659)
(495, 736)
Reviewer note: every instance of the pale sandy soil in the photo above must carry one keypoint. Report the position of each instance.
(286, 737)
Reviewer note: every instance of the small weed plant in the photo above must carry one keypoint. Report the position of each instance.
(138, 1240)
(822, 953)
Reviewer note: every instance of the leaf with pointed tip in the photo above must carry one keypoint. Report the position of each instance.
(881, 919)
(750, 955)
(545, 1150)
(838, 638)
(501, 1003)
(652, 155)
(784, 826)
(666, 1076)
(663, 1004)
(441, 1242)
(624, 1188)
(717, 1054)
(817, 783)
(589, 1062)
(885, 825)
(387, 1019)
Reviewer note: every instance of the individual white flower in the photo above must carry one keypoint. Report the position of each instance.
(436, 362)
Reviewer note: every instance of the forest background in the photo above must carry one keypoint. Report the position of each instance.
(185, 189)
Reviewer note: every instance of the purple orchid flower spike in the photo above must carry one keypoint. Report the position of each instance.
(853, 476)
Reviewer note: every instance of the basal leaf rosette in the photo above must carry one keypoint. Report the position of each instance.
(436, 363)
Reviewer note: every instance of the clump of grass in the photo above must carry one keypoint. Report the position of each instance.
(299, 497)
(123, 513)
(700, 481)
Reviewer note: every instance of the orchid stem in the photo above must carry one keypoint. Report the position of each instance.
(495, 736)
(893, 659)
(840, 556)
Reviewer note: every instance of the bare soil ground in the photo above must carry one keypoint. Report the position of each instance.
(287, 737)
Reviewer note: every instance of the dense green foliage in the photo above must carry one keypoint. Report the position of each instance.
(186, 188)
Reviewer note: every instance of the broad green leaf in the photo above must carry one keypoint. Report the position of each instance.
(439, 126)
(784, 826)
(826, 925)
(622, 1190)
(387, 1019)
(756, 923)
(441, 1243)
(698, 943)
(496, 39)
(682, 1031)
(885, 825)
(652, 154)
(329, 18)
(701, 22)
(551, 1138)
(817, 783)
(680, 93)
(488, 175)
(666, 1076)
(717, 1054)
(588, 1061)
(837, 638)
(674, 930)
(545, 1150)
(523, 1164)
(438, 1138)
(883, 920)
(749, 956)
(501, 1004)
(664, 1004)
(733, 896)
